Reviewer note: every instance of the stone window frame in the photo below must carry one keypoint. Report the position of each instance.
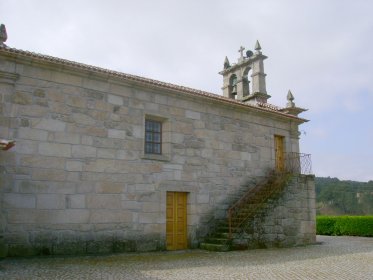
(165, 138)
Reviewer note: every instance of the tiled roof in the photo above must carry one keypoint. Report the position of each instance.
(144, 81)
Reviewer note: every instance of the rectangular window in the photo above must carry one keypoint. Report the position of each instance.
(153, 137)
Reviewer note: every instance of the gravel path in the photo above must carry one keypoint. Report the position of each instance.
(332, 258)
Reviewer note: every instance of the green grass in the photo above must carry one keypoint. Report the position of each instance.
(345, 225)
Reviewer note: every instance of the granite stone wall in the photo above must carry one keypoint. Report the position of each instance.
(78, 180)
(287, 220)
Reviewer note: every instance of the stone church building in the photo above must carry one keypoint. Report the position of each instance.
(110, 162)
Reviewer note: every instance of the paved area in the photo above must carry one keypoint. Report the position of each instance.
(333, 258)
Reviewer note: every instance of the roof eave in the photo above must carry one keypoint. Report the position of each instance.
(137, 80)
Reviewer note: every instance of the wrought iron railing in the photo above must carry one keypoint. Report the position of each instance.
(256, 197)
(295, 163)
(298, 163)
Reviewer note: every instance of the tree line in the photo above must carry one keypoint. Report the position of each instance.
(338, 197)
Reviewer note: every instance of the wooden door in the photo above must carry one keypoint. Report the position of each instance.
(176, 221)
(279, 153)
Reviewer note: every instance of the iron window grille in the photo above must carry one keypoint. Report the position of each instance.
(153, 137)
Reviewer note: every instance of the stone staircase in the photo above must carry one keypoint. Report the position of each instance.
(249, 205)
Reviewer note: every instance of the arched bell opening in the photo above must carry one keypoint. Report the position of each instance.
(246, 82)
(233, 86)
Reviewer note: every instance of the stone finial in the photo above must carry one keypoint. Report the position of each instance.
(290, 106)
(226, 63)
(3, 35)
(290, 99)
(257, 47)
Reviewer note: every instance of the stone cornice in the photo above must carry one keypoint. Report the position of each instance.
(105, 74)
(8, 78)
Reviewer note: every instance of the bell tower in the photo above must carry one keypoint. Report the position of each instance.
(238, 76)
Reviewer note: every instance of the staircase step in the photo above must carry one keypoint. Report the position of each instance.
(249, 202)
(217, 240)
(215, 247)
(225, 229)
(225, 235)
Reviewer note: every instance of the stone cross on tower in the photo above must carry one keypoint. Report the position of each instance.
(245, 80)
(241, 51)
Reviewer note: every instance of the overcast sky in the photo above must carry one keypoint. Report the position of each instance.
(321, 50)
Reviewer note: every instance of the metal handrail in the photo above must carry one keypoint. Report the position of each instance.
(295, 163)
(275, 180)
(298, 163)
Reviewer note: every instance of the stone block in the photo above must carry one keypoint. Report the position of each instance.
(32, 134)
(59, 108)
(149, 107)
(17, 200)
(37, 161)
(26, 147)
(70, 248)
(203, 198)
(153, 229)
(116, 133)
(63, 187)
(147, 245)
(124, 246)
(150, 218)
(115, 99)
(50, 201)
(22, 216)
(63, 137)
(73, 177)
(131, 205)
(151, 207)
(6, 183)
(83, 151)
(55, 149)
(66, 78)
(74, 165)
(76, 201)
(83, 119)
(54, 94)
(138, 131)
(110, 187)
(86, 140)
(22, 98)
(96, 83)
(110, 216)
(99, 247)
(76, 101)
(49, 125)
(192, 115)
(68, 216)
(94, 94)
(103, 201)
(160, 99)
(100, 165)
(48, 174)
(106, 153)
(99, 115)
(128, 155)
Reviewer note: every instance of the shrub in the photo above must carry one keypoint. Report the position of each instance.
(325, 225)
(345, 225)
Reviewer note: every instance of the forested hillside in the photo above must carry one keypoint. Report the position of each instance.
(336, 197)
